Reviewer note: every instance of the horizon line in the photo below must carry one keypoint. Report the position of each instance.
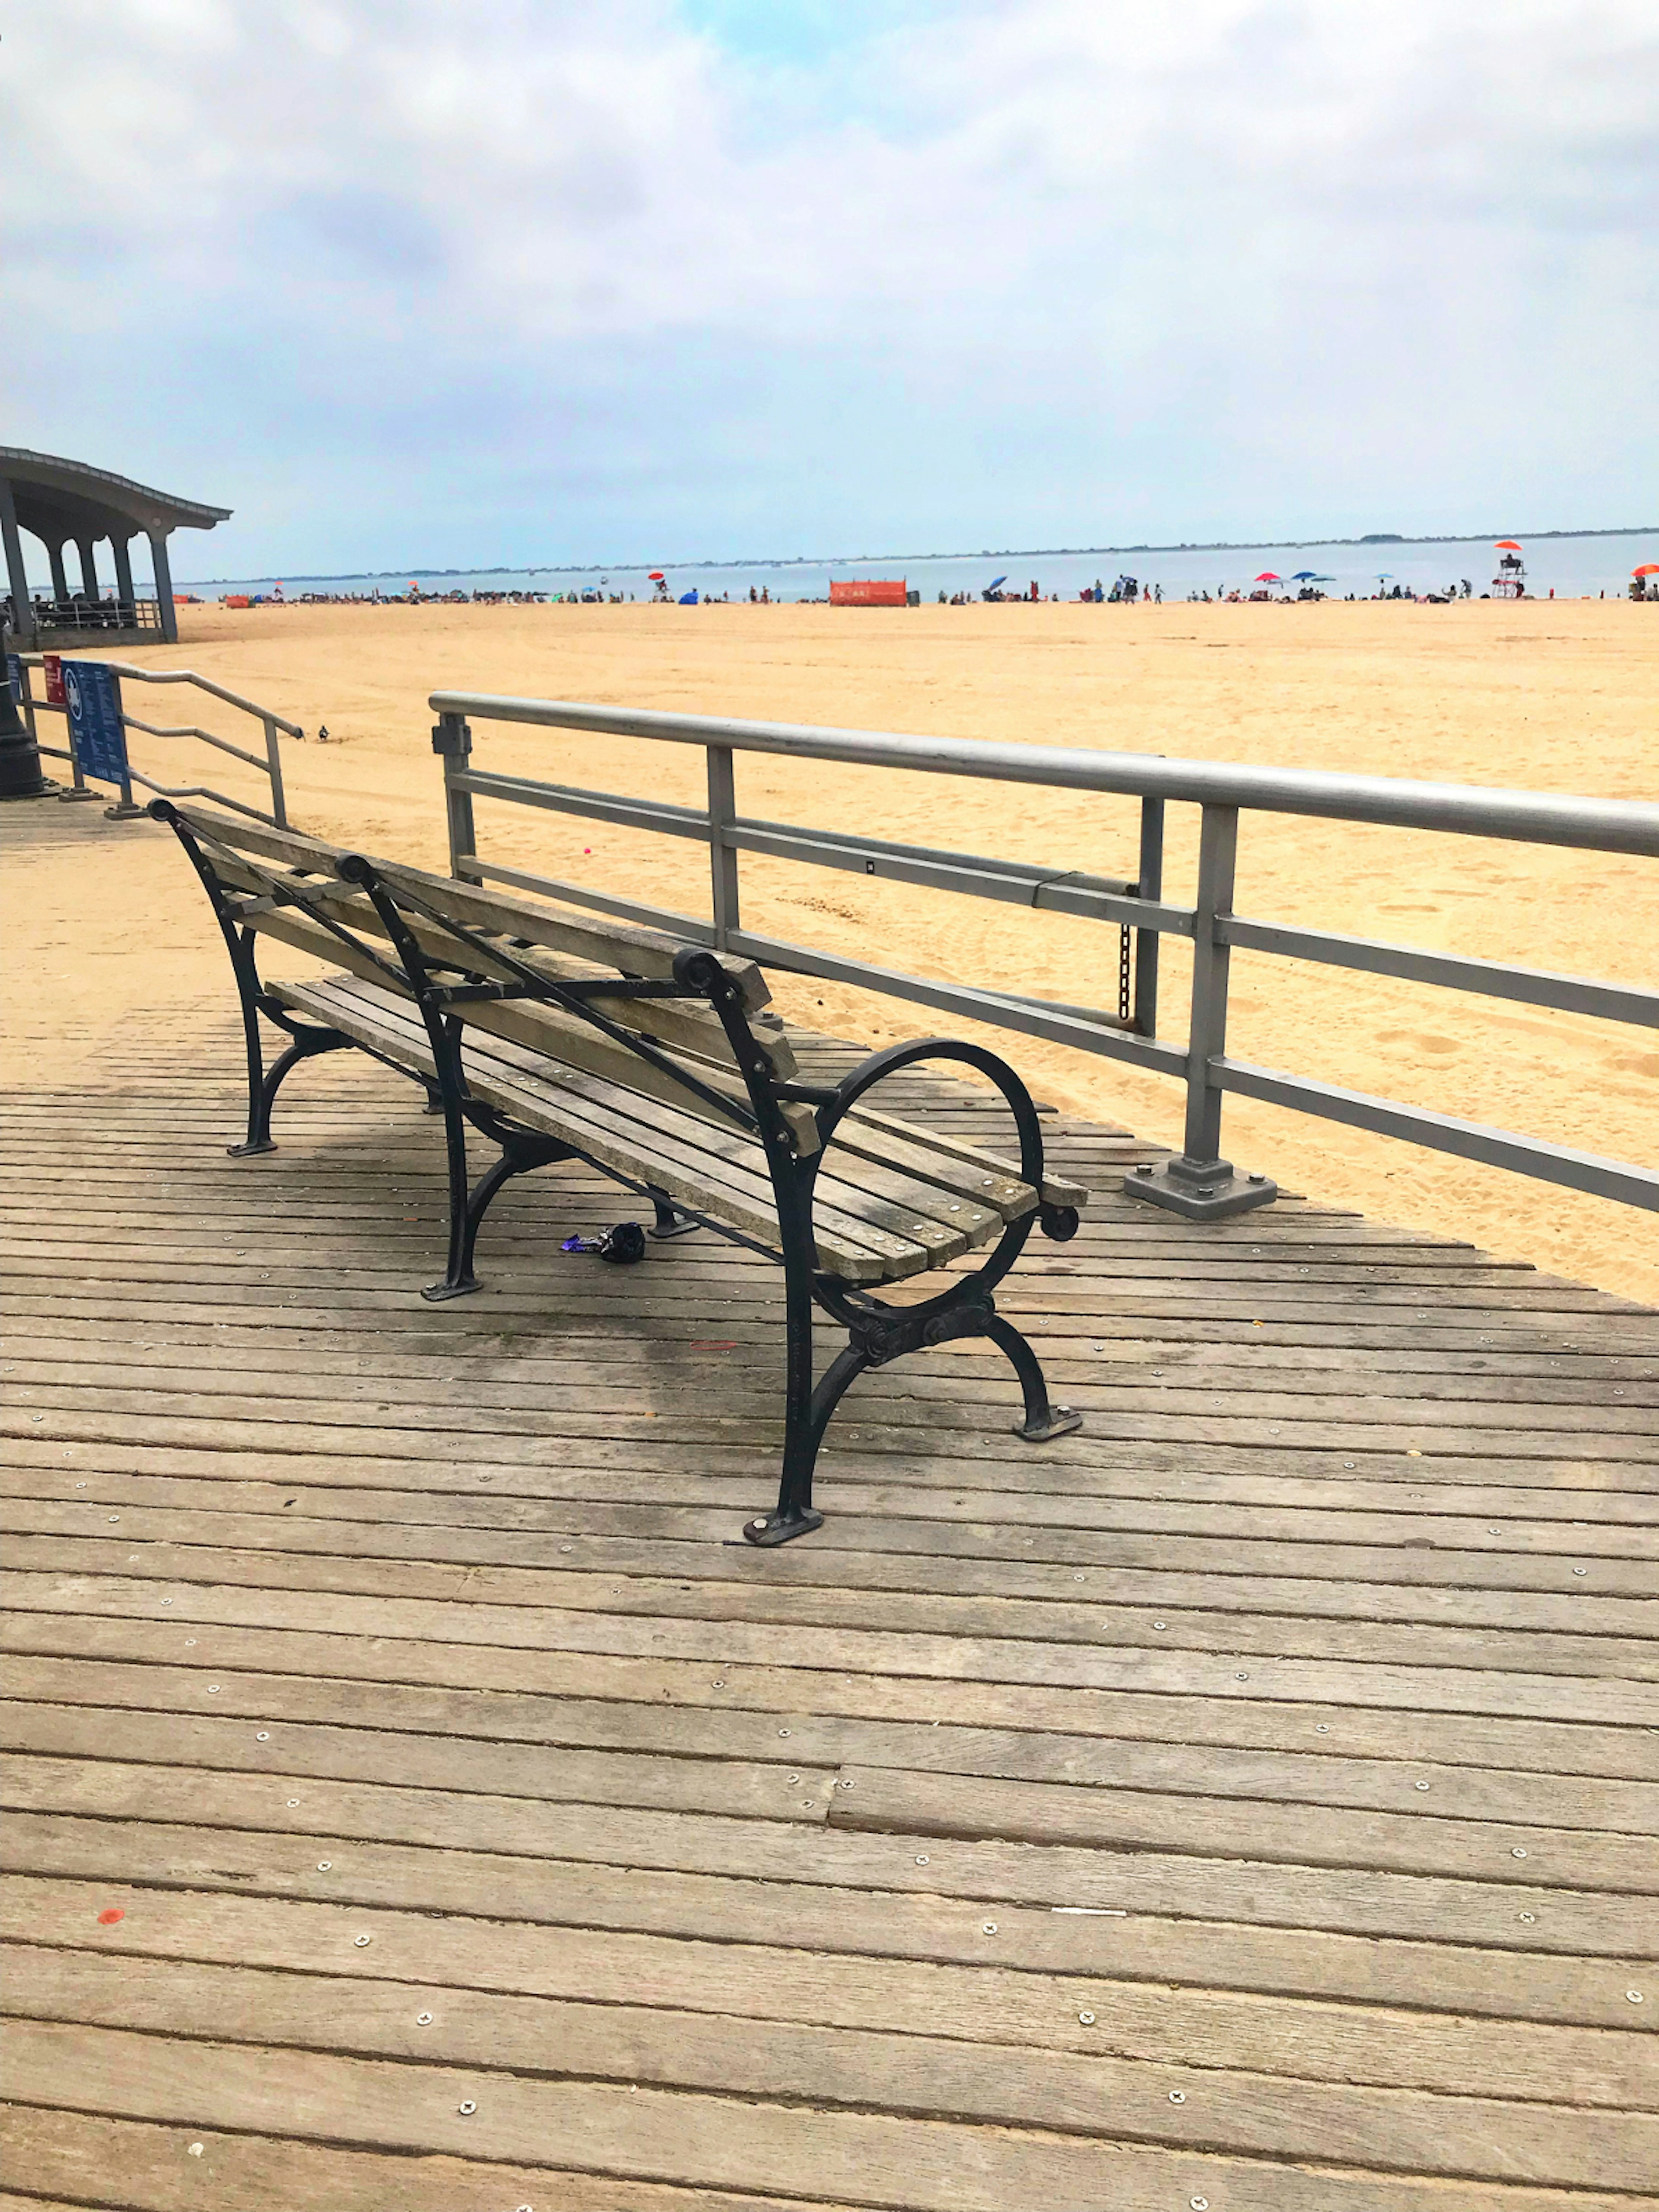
(864, 560)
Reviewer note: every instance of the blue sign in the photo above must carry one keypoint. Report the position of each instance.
(93, 699)
(14, 675)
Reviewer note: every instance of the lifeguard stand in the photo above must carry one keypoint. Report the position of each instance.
(1510, 582)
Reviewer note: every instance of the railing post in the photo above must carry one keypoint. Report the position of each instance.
(722, 857)
(273, 755)
(124, 809)
(1150, 885)
(451, 739)
(1198, 1183)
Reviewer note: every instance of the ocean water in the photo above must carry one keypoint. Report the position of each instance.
(1573, 568)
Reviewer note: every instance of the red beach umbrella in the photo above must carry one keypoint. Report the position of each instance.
(1647, 568)
(656, 576)
(1268, 577)
(1507, 545)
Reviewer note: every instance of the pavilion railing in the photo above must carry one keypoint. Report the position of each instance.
(83, 616)
(1199, 1182)
(268, 763)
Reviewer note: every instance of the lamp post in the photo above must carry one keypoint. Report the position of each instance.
(20, 755)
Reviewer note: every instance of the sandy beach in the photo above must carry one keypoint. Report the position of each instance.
(1547, 696)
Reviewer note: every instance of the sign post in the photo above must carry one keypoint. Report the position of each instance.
(98, 738)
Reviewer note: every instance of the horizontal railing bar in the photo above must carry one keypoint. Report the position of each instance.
(1443, 1132)
(469, 866)
(125, 668)
(1062, 891)
(222, 744)
(1537, 987)
(601, 806)
(1035, 1017)
(1022, 876)
(191, 791)
(1595, 824)
(1067, 891)
(56, 752)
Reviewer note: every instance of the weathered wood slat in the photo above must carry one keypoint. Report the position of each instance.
(814, 1706)
(1351, 1901)
(1578, 1661)
(608, 2038)
(936, 2165)
(1312, 1775)
(1126, 1946)
(1197, 1670)
(163, 2168)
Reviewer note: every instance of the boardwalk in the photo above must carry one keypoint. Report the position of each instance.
(419, 1804)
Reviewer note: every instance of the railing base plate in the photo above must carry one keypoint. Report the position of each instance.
(1199, 1190)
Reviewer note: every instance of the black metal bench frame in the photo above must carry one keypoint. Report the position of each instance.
(877, 1332)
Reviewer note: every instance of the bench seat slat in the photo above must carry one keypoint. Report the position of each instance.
(696, 1164)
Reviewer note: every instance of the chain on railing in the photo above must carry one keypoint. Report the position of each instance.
(88, 694)
(1198, 1182)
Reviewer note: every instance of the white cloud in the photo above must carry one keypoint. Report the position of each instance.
(1020, 269)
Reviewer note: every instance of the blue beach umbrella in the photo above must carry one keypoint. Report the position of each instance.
(1306, 576)
(994, 581)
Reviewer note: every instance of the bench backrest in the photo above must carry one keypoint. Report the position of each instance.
(290, 887)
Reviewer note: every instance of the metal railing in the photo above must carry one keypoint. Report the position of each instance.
(269, 765)
(1199, 1182)
(82, 614)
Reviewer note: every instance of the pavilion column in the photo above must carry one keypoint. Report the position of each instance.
(124, 576)
(59, 579)
(88, 567)
(22, 626)
(169, 613)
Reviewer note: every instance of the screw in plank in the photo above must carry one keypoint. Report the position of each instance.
(921, 1858)
(1087, 2018)
(1634, 1996)
(323, 1865)
(783, 1731)
(292, 1801)
(466, 2105)
(1527, 1917)
(1518, 1853)
(1422, 1785)
(990, 1927)
(1160, 1623)
(1177, 2096)
(263, 1736)
(422, 2019)
(362, 1942)
(1581, 1571)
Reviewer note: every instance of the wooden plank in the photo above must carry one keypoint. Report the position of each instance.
(1196, 1672)
(1312, 1775)
(165, 2169)
(770, 1791)
(1124, 1946)
(948, 1716)
(1139, 1816)
(856, 1572)
(933, 2166)
(147, 1981)
(156, 2167)
(1221, 1624)
(1423, 1550)
(1347, 1901)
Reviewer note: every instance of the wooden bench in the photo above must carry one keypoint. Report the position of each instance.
(556, 1035)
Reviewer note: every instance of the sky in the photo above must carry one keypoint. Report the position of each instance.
(420, 283)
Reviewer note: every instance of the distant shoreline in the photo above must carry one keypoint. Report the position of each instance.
(867, 560)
